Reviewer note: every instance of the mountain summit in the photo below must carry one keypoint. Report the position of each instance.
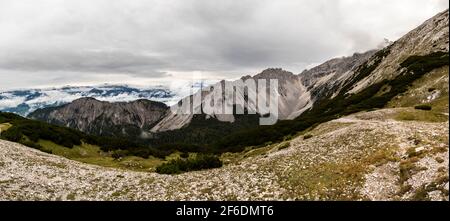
(92, 116)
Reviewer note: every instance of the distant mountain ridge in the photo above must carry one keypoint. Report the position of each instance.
(25, 101)
(128, 119)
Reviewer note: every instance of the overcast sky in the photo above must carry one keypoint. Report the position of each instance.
(82, 42)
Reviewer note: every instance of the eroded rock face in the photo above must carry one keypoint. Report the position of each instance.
(431, 36)
(100, 117)
(296, 93)
(336, 67)
(293, 99)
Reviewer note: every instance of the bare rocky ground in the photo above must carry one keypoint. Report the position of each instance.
(366, 156)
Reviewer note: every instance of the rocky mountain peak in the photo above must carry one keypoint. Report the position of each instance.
(431, 36)
(275, 73)
(335, 66)
(101, 117)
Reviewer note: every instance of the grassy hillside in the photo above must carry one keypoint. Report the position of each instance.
(93, 154)
(431, 89)
(64, 141)
(4, 126)
(103, 151)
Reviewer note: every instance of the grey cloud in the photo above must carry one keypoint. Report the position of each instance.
(100, 61)
(150, 39)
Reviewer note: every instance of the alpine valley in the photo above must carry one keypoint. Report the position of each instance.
(369, 126)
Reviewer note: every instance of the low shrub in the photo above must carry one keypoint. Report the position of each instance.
(423, 107)
(307, 136)
(31, 144)
(118, 154)
(284, 145)
(184, 155)
(199, 162)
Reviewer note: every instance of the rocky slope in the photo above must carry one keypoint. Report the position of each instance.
(321, 79)
(431, 36)
(364, 156)
(292, 97)
(296, 93)
(104, 118)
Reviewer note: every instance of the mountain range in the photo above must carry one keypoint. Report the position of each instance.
(370, 126)
(25, 101)
(297, 94)
(337, 80)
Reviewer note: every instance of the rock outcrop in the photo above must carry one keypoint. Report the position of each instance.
(104, 118)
